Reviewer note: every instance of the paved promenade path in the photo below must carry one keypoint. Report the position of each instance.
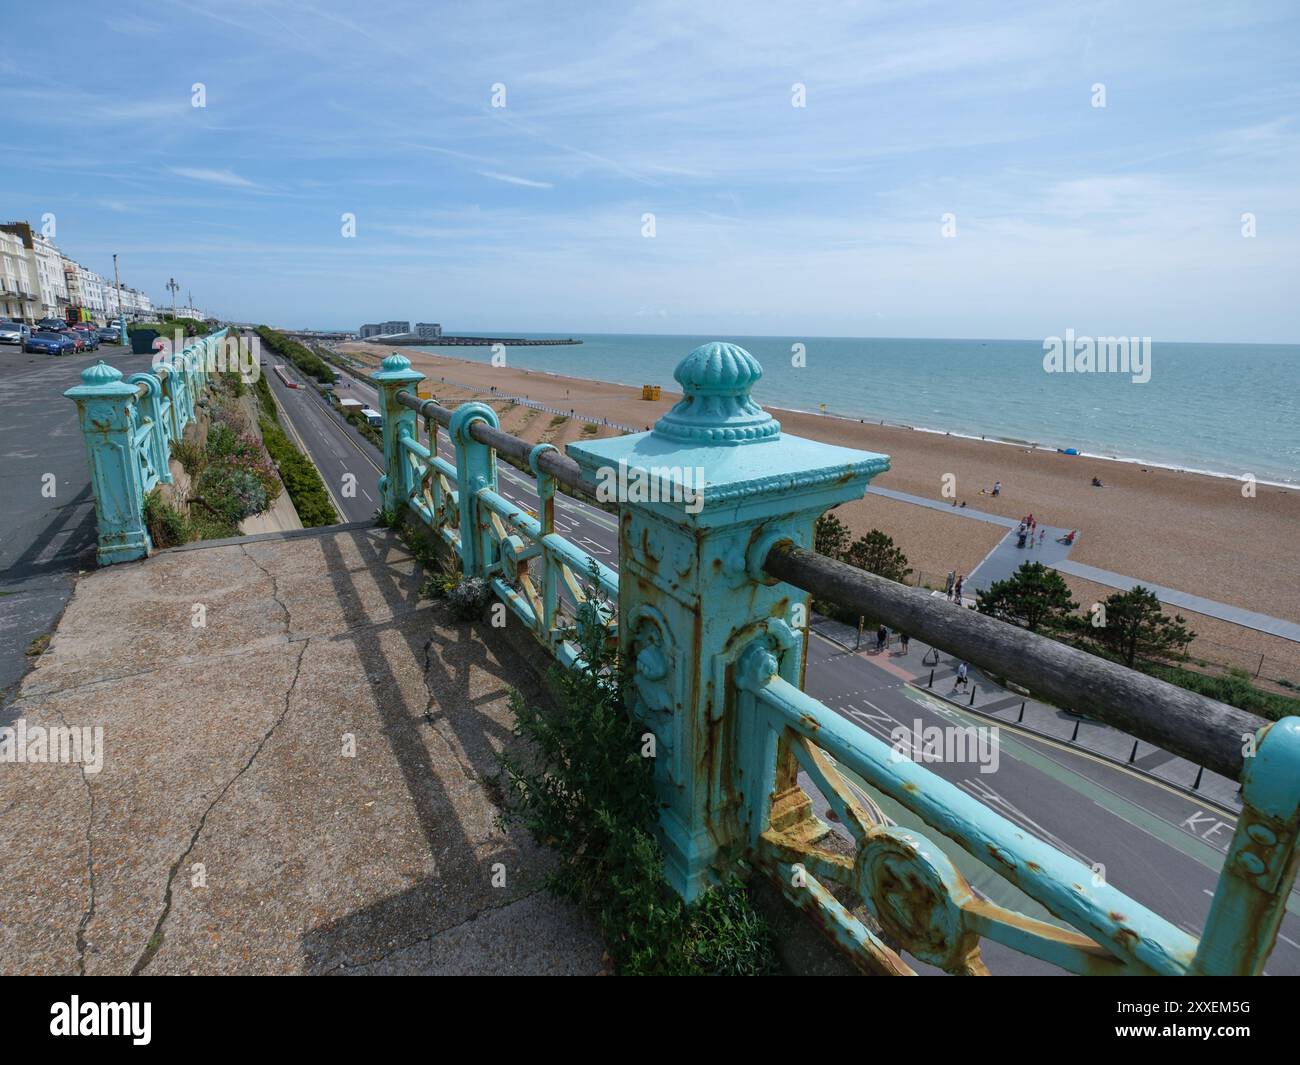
(1006, 558)
(231, 829)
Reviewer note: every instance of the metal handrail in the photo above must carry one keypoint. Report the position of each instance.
(565, 471)
(1201, 729)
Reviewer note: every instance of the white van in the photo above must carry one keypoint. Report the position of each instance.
(373, 417)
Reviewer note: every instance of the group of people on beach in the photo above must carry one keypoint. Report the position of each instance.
(1027, 530)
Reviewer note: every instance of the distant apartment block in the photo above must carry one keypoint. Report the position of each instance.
(376, 329)
(428, 330)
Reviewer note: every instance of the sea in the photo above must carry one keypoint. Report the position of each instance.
(1229, 410)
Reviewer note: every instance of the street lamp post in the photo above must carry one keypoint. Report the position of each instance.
(121, 315)
(173, 288)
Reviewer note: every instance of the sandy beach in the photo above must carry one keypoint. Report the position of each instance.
(1192, 532)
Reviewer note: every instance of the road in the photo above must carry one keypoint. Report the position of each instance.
(47, 523)
(1156, 843)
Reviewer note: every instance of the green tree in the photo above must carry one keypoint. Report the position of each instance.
(877, 554)
(1034, 597)
(830, 536)
(1132, 625)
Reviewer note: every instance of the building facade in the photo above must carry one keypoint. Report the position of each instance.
(49, 275)
(428, 330)
(38, 281)
(19, 285)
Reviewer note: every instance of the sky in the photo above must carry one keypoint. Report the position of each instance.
(730, 169)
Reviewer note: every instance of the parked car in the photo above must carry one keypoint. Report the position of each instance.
(14, 333)
(52, 325)
(79, 342)
(90, 337)
(110, 335)
(50, 343)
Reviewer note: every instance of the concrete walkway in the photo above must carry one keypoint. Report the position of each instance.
(300, 784)
(1006, 558)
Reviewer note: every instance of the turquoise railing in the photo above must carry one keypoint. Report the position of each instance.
(129, 427)
(716, 512)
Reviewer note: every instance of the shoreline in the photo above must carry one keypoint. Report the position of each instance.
(1162, 464)
(1036, 446)
(1158, 524)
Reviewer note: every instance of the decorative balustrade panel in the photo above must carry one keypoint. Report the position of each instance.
(542, 577)
(129, 427)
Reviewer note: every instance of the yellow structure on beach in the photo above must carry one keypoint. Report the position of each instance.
(650, 391)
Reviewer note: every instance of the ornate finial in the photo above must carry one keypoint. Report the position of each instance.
(100, 374)
(717, 409)
(395, 363)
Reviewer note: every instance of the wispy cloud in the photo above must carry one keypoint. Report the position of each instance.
(511, 179)
(227, 178)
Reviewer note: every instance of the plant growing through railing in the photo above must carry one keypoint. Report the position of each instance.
(586, 789)
(468, 598)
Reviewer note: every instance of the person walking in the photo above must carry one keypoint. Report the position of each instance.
(962, 677)
(956, 591)
(952, 579)
(882, 638)
(903, 640)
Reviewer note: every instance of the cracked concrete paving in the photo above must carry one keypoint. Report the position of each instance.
(229, 830)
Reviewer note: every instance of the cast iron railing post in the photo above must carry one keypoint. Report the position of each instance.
(106, 409)
(476, 469)
(701, 499)
(394, 377)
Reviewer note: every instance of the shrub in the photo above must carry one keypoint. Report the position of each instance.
(302, 357)
(191, 455)
(466, 599)
(301, 479)
(167, 525)
(265, 401)
(233, 492)
(1034, 597)
(590, 796)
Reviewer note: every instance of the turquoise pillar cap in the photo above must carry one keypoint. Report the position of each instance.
(100, 379)
(397, 368)
(719, 448)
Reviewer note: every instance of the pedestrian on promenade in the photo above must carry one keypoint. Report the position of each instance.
(952, 579)
(956, 590)
(882, 638)
(1042, 535)
(903, 640)
(962, 677)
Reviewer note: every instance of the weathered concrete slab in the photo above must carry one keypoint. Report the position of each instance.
(300, 785)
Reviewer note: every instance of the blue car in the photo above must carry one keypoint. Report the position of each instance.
(50, 344)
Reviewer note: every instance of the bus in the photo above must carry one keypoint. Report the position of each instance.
(373, 418)
(284, 377)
